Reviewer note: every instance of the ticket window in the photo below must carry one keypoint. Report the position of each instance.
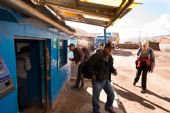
(63, 53)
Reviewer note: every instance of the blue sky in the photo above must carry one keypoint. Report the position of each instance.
(150, 19)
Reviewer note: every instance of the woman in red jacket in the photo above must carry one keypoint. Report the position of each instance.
(145, 63)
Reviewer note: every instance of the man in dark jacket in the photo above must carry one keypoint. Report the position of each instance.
(101, 65)
(78, 59)
(100, 48)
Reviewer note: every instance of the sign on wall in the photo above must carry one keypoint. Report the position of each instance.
(6, 84)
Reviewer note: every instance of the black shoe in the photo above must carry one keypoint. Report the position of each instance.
(96, 112)
(74, 87)
(143, 91)
(82, 85)
(110, 110)
(134, 83)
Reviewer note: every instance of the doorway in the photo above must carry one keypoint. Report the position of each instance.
(32, 72)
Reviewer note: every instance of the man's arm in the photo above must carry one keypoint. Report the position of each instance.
(139, 52)
(80, 52)
(152, 60)
(92, 65)
(113, 70)
(27, 63)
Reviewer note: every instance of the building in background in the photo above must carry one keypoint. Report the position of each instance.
(164, 43)
(112, 37)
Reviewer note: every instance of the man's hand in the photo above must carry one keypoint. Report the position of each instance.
(70, 59)
(78, 63)
(115, 73)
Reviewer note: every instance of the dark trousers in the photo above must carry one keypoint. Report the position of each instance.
(80, 77)
(22, 93)
(97, 87)
(142, 71)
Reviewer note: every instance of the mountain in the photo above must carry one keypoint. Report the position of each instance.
(153, 38)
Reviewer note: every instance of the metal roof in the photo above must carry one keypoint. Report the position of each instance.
(55, 12)
(96, 12)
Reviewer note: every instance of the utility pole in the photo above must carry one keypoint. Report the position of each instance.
(139, 36)
(105, 37)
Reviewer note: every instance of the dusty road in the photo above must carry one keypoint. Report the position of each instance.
(157, 98)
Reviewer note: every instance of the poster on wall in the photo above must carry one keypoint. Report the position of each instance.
(3, 69)
(6, 84)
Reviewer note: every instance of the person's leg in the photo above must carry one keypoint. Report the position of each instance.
(82, 81)
(110, 96)
(81, 76)
(144, 80)
(97, 87)
(22, 93)
(138, 73)
(78, 77)
(19, 81)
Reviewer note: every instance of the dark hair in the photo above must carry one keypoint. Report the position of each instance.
(71, 45)
(109, 45)
(101, 44)
(24, 49)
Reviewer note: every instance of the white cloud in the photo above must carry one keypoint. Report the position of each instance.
(160, 26)
(128, 29)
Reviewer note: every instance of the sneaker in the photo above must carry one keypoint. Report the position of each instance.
(96, 112)
(143, 91)
(110, 110)
(134, 83)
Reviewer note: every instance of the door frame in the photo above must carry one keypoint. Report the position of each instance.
(45, 104)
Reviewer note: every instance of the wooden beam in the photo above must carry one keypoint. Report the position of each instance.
(27, 9)
(83, 10)
(120, 12)
(88, 21)
(75, 3)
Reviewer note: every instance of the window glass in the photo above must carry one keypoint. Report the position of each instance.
(63, 53)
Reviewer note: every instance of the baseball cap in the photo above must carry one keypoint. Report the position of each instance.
(109, 45)
(71, 45)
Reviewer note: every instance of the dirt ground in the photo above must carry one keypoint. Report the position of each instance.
(79, 101)
(157, 98)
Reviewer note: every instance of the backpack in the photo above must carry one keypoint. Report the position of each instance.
(86, 53)
(86, 69)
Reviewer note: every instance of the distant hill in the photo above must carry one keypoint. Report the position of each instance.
(80, 32)
(153, 38)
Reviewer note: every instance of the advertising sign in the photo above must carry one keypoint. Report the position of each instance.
(6, 84)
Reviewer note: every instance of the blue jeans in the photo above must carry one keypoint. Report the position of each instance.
(97, 87)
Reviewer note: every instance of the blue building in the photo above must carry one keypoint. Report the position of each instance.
(39, 25)
(101, 39)
(47, 76)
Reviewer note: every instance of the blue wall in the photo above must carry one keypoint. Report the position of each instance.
(8, 30)
(7, 52)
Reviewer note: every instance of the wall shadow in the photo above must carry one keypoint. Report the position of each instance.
(134, 97)
(156, 95)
